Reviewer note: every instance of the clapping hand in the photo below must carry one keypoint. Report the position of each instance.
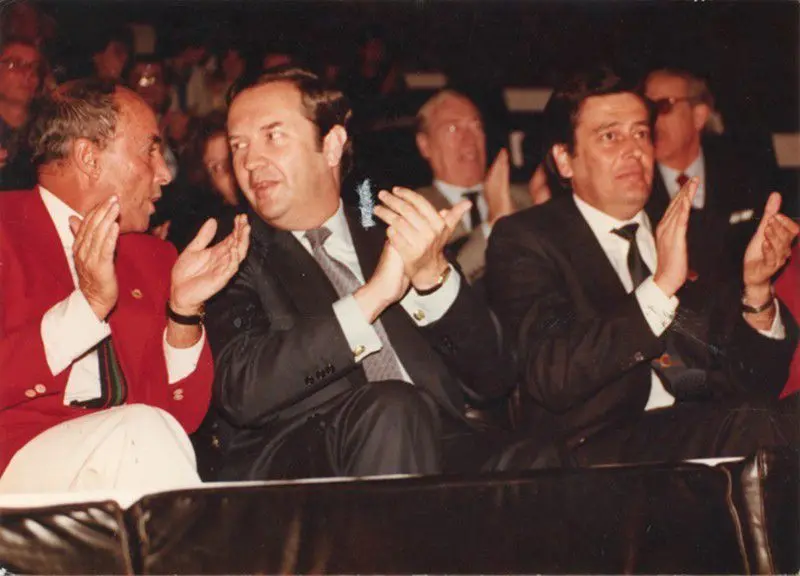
(419, 233)
(767, 251)
(200, 271)
(671, 245)
(93, 251)
(497, 187)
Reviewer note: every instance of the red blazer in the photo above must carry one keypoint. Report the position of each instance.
(788, 289)
(34, 275)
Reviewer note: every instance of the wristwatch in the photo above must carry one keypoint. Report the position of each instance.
(193, 320)
(439, 282)
(758, 309)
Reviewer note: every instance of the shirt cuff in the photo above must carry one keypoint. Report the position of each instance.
(658, 309)
(69, 329)
(428, 309)
(360, 335)
(777, 331)
(486, 228)
(182, 361)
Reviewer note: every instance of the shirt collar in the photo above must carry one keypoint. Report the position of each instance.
(602, 224)
(337, 224)
(60, 213)
(696, 168)
(453, 193)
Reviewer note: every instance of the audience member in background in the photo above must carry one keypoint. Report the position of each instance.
(231, 65)
(342, 348)
(626, 348)
(450, 136)
(102, 349)
(187, 72)
(787, 288)
(110, 52)
(208, 188)
(733, 187)
(372, 76)
(21, 70)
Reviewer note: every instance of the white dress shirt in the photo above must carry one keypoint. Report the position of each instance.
(657, 308)
(695, 169)
(455, 194)
(70, 329)
(359, 333)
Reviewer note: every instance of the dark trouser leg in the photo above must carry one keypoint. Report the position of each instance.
(709, 430)
(386, 427)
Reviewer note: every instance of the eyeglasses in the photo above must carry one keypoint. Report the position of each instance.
(665, 105)
(21, 66)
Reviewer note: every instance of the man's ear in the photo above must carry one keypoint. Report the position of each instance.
(424, 145)
(86, 156)
(563, 161)
(333, 145)
(700, 114)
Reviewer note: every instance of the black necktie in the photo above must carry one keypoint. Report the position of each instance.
(679, 380)
(636, 265)
(474, 213)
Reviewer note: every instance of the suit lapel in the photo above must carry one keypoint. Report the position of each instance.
(295, 269)
(41, 239)
(600, 281)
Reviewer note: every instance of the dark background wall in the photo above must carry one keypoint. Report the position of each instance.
(747, 50)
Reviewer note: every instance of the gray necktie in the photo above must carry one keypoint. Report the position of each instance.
(382, 365)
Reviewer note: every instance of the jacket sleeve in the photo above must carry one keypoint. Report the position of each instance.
(564, 354)
(267, 356)
(469, 340)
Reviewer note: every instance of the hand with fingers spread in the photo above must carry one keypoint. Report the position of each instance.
(419, 233)
(496, 187)
(200, 272)
(767, 251)
(93, 251)
(671, 245)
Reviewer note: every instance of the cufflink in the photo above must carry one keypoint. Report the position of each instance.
(359, 350)
(419, 315)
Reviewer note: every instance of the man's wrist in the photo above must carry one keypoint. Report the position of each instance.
(431, 278)
(372, 301)
(756, 296)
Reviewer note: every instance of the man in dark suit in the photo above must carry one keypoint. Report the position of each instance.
(733, 187)
(103, 357)
(626, 348)
(343, 348)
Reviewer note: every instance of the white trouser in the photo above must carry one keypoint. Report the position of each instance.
(131, 447)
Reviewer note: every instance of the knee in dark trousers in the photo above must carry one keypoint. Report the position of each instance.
(387, 427)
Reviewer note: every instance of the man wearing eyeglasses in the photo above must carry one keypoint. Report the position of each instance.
(20, 77)
(732, 188)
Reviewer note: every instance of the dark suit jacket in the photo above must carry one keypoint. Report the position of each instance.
(34, 276)
(583, 344)
(280, 352)
(735, 184)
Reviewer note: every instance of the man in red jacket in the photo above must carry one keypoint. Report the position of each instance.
(104, 365)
